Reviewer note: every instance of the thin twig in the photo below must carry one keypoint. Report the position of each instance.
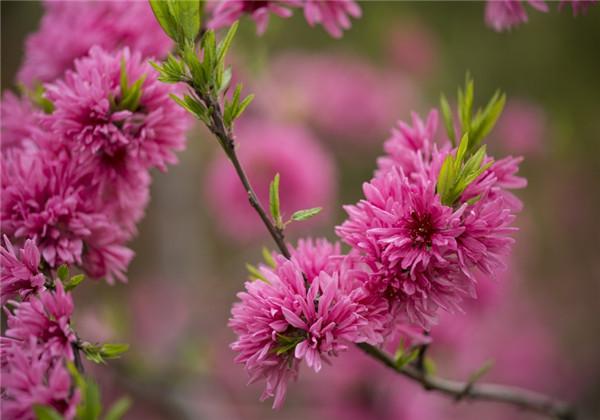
(522, 398)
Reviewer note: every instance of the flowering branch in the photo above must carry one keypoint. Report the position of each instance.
(205, 74)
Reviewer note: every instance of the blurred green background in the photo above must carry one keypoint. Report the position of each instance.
(175, 307)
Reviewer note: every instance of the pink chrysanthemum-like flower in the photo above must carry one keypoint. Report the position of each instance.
(316, 255)
(334, 15)
(578, 6)
(505, 14)
(31, 376)
(522, 128)
(284, 320)
(117, 146)
(409, 240)
(265, 149)
(46, 318)
(20, 270)
(51, 200)
(226, 12)
(108, 24)
(19, 122)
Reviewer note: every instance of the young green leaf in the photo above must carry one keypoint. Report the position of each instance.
(255, 273)
(274, 202)
(448, 121)
(118, 409)
(165, 19)
(186, 14)
(62, 273)
(268, 257)
(73, 282)
(226, 43)
(306, 214)
(479, 373)
(44, 412)
(113, 350)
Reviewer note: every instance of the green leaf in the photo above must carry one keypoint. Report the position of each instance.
(164, 17)
(306, 214)
(113, 350)
(62, 273)
(186, 14)
(274, 202)
(118, 409)
(462, 150)
(74, 282)
(247, 100)
(255, 273)
(448, 121)
(44, 412)
(226, 43)
(405, 357)
(429, 366)
(89, 407)
(268, 257)
(479, 373)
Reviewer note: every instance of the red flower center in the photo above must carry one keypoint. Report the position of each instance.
(421, 229)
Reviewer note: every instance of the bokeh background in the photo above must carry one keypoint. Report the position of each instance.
(340, 98)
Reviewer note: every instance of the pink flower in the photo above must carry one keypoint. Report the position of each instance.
(522, 128)
(332, 14)
(505, 14)
(409, 240)
(20, 270)
(108, 24)
(228, 11)
(50, 199)
(316, 255)
(325, 89)
(117, 146)
(31, 376)
(413, 48)
(578, 6)
(285, 320)
(19, 122)
(265, 148)
(46, 318)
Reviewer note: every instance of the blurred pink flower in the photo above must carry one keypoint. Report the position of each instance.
(334, 15)
(413, 48)
(46, 318)
(346, 98)
(266, 148)
(505, 14)
(521, 128)
(31, 376)
(20, 270)
(578, 6)
(19, 122)
(228, 11)
(279, 323)
(108, 24)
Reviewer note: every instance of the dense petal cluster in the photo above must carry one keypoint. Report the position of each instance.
(334, 15)
(501, 15)
(20, 270)
(265, 148)
(422, 253)
(69, 29)
(31, 376)
(290, 317)
(46, 319)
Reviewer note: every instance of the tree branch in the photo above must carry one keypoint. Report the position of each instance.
(522, 398)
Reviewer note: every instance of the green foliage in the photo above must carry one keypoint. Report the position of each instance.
(73, 282)
(458, 171)
(118, 409)
(306, 214)
(287, 343)
(180, 19)
(456, 174)
(404, 357)
(44, 412)
(274, 204)
(234, 108)
(268, 257)
(100, 353)
(62, 273)
(481, 371)
(130, 94)
(36, 96)
(255, 274)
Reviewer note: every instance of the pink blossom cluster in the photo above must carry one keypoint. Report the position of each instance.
(76, 180)
(412, 255)
(423, 254)
(34, 352)
(502, 15)
(333, 15)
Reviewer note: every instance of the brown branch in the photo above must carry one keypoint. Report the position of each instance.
(522, 398)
